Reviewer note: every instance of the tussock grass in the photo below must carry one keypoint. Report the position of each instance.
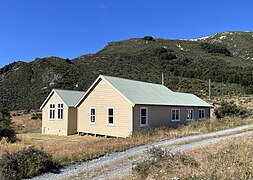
(231, 159)
(24, 123)
(72, 149)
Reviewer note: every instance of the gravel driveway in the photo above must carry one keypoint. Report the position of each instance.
(120, 163)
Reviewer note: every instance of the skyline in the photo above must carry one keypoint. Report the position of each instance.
(69, 29)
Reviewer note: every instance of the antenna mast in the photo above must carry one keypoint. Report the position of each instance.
(209, 90)
(162, 79)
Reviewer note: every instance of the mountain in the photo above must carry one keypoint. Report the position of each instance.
(186, 64)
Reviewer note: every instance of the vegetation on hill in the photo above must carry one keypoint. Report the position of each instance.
(187, 66)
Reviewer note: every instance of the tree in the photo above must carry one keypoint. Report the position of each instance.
(6, 129)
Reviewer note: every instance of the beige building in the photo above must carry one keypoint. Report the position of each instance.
(120, 107)
(59, 115)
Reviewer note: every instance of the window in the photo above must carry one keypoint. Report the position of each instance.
(92, 115)
(110, 116)
(143, 116)
(201, 114)
(52, 111)
(189, 114)
(60, 111)
(175, 115)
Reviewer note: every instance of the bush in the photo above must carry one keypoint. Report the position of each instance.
(36, 116)
(212, 48)
(25, 164)
(156, 156)
(149, 38)
(230, 109)
(6, 129)
(168, 56)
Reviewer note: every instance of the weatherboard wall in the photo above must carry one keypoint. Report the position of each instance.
(161, 116)
(101, 97)
(54, 127)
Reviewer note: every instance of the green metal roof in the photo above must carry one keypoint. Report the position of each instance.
(70, 98)
(138, 92)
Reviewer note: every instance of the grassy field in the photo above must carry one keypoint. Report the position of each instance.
(75, 148)
(231, 159)
(24, 123)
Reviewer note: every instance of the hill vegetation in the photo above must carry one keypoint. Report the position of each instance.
(187, 65)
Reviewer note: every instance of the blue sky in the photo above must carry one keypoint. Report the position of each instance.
(70, 28)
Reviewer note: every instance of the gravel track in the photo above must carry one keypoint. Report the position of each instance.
(120, 163)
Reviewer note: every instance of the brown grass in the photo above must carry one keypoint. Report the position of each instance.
(75, 148)
(24, 123)
(231, 159)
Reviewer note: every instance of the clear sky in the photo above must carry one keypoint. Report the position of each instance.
(70, 28)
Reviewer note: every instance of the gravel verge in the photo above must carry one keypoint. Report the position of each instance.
(120, 163)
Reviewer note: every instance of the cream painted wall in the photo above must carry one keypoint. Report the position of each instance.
(102, 97)
(55, 127)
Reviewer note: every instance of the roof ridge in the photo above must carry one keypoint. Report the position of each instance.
(67, 90)
(139, 81)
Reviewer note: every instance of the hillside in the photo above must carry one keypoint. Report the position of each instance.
(187, 65)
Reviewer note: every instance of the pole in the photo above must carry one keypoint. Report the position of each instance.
(162, 79)
(209, 90)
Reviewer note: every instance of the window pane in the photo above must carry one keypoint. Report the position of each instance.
(110, 111)
(92, 118)
(143, 120)
(59, 114)
(110, 120)
(143, 112)
(92, 112)
(177, 115)
(189, 114)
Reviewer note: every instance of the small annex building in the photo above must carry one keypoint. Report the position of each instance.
(120, 107)
(59, 115)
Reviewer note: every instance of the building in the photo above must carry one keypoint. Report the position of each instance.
(120, 107)
(59, 115)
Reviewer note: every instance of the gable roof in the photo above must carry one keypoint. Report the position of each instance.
(138, 92)
(70, 98)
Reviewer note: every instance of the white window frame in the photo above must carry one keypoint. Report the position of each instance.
(187, 114)
(202, 118)
(146, 124)
(175, 120)
(92, 115)
(107, 112)
(62, 108)
(51, 109)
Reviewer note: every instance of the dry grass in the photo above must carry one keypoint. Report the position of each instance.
(25, 123)
(231, 159)
(75, 148)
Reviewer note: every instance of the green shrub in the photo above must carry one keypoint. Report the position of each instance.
(25, 164)
(168, 56)
(216, 49)
(6, 128)
(149, 38)
(230, 109)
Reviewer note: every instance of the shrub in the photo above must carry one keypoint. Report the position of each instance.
(230, 109)
(212, 48)
(36, 116)
(156, 156)
(168, 56)
(149, 38)
(25, 163)
(69, 61)
(6, 129)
